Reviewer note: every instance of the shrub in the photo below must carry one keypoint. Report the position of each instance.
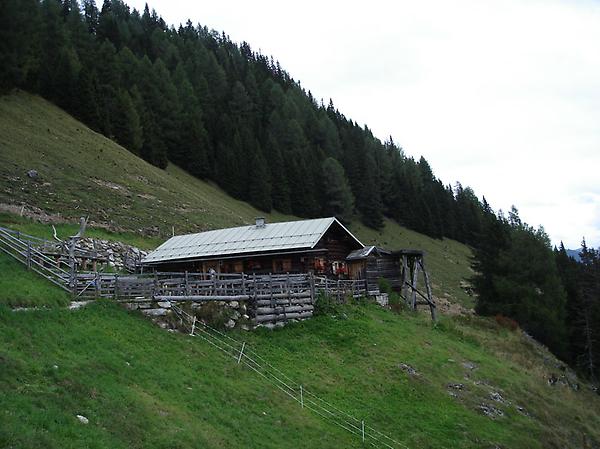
(506, 322)
(326, 305)
(384, 285)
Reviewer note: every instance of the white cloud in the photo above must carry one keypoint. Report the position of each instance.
(502, 95)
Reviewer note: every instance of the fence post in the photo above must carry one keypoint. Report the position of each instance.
(241, 352)
(96, 283)
(28, 255)
(312, 287)
(187, 287)
(193, 326)
(116, 294)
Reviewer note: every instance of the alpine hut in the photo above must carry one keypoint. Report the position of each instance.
(318, 245)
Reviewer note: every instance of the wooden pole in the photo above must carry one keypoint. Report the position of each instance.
(241, 352)
(193, 326)
(28, 256)
(405, 278)
(432, 306)
(415, 269)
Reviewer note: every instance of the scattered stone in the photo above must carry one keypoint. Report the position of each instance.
(82, 419)
(78, 304)
(522, 410)
(164, 304)
(495, 396)
(408, 369)
(469, 365)
(234, 304)
(230, 324)
(490, 411)
(457, 386)
(235, 315)
(33, 174)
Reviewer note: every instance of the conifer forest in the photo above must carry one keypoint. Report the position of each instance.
(228, 114)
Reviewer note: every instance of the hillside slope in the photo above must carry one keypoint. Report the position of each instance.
(80, 172)
(141, 386)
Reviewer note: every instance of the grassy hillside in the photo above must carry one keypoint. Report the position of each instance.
(141, 386)
(83, 173)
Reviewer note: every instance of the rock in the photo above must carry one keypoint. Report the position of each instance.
(33, 174)
(155, 312)
(82, 419)
(230, 324)
(164, 304)
(495, 396)
(246, 317)
(469, 365)
(459, 387)
(234, 304)
(55, 366)
(408, 369)
(490, 411)
(382, 299)
(235, 315)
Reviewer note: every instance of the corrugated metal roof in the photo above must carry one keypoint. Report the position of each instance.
(244, 239)
(365, 252)
(360, 253)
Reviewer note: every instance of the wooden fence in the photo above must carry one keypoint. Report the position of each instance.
(274, 298)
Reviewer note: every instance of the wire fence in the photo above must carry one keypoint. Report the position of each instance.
(241, 354)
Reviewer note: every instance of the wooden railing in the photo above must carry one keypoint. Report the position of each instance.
(27, 253)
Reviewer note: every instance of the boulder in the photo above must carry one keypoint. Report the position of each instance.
(155, 312)
(82, 419)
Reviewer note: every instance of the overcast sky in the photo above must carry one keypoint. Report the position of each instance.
(503, 96)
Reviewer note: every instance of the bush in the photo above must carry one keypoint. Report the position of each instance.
(326, 305)
(213, 314)
(384, 286)
(506, 322)
(396, 303)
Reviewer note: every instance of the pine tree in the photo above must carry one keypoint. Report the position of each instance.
(338, 198)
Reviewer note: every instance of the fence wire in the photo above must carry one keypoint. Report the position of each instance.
(241, 353)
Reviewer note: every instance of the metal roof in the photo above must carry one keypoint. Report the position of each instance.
(365, 252)
(292, 235)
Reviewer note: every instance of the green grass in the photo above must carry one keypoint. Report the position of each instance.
(141, 386)
(22, 288)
